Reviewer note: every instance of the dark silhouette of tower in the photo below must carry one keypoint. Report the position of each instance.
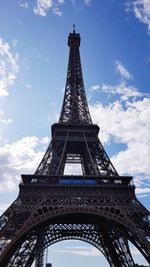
(99, 206)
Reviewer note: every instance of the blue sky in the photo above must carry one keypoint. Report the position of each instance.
(115, 55)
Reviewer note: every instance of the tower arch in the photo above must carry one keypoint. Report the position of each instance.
(51, 202)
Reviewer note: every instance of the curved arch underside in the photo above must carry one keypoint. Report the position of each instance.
(34, 222)
(106, 235)
(103, 240)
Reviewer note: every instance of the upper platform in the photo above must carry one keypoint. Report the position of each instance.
(77, 180)
(74, 38)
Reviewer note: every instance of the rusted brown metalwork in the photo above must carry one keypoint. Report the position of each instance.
(99, 206)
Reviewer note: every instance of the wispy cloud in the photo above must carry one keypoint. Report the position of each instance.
(134, 250)
(6, 121)
(8, 67)
(122, 89)
(42, 7)
(24, 4)
(80, 4)
(81, 251)
(14, 42)
(124, 73)
(143, 191)
(19, 157)
(3, 207)
(141, 9)
(8, 71)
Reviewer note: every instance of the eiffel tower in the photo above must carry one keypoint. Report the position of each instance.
(98, 207)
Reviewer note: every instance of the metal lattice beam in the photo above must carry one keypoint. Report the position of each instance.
(99, 206)
(75, 109)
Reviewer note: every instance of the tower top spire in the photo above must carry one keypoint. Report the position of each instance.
(74, 28)
(74, 38)
(75, 108)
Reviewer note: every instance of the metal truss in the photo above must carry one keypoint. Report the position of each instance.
(114, 247)
(98, 207)
(54, 211)
(74, 142)
(75, 108)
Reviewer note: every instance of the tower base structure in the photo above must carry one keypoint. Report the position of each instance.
(98, 207)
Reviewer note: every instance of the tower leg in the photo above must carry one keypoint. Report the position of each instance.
(39, 262)
(116, 248)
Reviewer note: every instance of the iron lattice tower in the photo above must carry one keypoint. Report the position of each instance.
(49, 206)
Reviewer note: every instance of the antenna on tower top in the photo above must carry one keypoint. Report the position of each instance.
(74, 27)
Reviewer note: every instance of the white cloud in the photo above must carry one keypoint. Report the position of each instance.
(24, 4)
(8, 68)
(124, 73)
(80, 4)
(126, 91)
(43, 6)
(134, 250)
(134, 159)
(45, 140)
(14, 42)
(142, 191)
(57, 11)
(3, 207)
(125, 121)
(20, 157)
(6, 121)
(73, 169)
(8, 71)
(81, 251)
(128, 124)
(141, 9)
